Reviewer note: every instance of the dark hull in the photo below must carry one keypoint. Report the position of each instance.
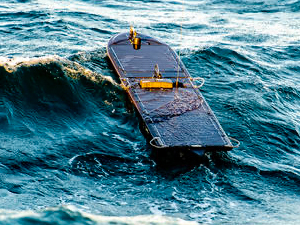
(173, 119)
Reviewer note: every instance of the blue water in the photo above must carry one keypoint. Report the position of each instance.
(71, 151)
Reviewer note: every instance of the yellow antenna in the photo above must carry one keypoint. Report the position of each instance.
(131, 32)
(134, 39)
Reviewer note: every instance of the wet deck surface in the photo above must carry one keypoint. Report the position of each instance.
(178, 117)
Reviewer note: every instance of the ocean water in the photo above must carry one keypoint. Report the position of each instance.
(71, 151)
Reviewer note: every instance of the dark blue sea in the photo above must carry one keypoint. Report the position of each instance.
(71, 151)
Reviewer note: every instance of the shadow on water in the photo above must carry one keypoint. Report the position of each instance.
(171, 163)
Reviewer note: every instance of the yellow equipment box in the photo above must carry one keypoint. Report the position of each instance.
(156, 83)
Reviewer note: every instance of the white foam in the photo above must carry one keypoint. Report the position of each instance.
(99, 219)
(11, 64)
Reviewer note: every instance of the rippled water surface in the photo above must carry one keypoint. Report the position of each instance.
(71, 151)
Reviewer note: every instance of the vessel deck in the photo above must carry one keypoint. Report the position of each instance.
(175, 118)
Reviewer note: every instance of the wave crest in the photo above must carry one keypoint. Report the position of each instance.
(72, 215)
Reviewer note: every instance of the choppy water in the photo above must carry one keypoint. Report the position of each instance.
(70, 148)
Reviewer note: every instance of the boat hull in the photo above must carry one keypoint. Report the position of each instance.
(173, 118)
